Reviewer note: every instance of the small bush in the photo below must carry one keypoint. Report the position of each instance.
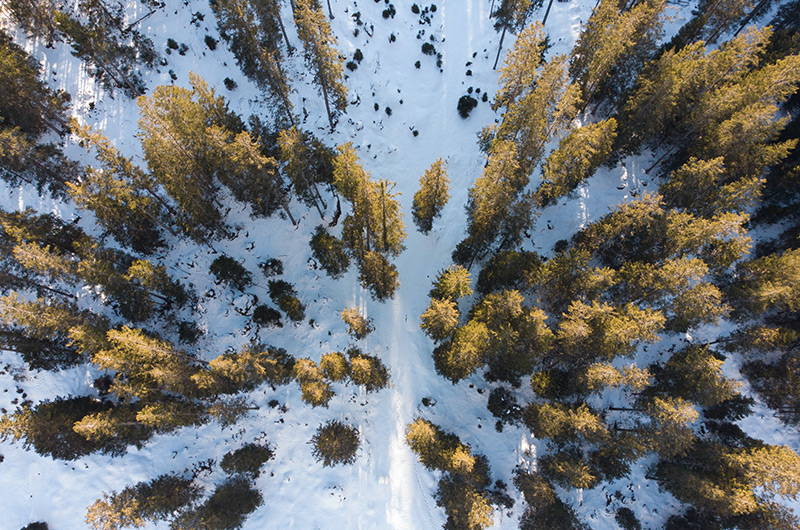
(246, 460)
(503, 405)
(229, 83)
(352, 66)
(465, 105)
(171, 44)
(388, 111)
(211, 42)
(182, 49)
(392, 37)
(428, 48)
(227, 270)
(271, 267)
(358, 56)
(417, 64)
(285, 297)
(267, 316)
(415, 9)
(485, 97)
(37, 526)
(335, 443)
(188, 332)
(389, 11)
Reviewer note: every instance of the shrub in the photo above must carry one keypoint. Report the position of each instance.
(351, 65)
(389, 11)
(428, 48)
(503, 405)
(171, 44)
(627, 520)
(358, 56)
(285, 297)
(248, 459)
(335, 443)
(227, 270)
(230, 84)
(388, 111)
(329, 251)
(267, 316)
(36, 526)
(271, 267)
(465, 105)
(211, 42)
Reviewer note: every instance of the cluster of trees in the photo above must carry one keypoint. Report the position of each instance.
(99, 34)
(175, 497)
(663, 264)
(354, 365)
(464, 489)
(253, 31)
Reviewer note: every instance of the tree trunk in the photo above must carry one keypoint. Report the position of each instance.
(330, 11)
(749, 17)
(327, 105)
(546, 13)
(289, 213)
(289, 47)
(500, 47)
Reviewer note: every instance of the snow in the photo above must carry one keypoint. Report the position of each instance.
(386, 487)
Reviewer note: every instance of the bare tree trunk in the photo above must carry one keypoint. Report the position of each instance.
(289, 47)
(547, 13)
(500, 47)
(327, 105)
(330, 11)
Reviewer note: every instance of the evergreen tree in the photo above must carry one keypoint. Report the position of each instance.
(321, 55)
(578, 155)
(452, 283)
(329, 252)
(440, 319)
(226, 508)
(512, 15)
(431, 197)
(359, 326)
(464, 353)
(121, 195)
(367, 370)
(300, 159)
(335, 443)
(609, 39)
(695, 374)
(252, 30)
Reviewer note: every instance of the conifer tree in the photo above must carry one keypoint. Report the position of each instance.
(452, 283)
(440, 319)
(512, 15)
(252, 31)
(611, 37)
(299, 160)
(359, 326)
(577, 157)
(431, 197)
(322, 56)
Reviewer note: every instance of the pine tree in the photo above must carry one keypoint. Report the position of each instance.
(299, 159)
(321, 55)
(669, 432)
(335, 443)
(695, 374)
(252, 30)
(440, 319)
(36, 17)
(496, 210)
(359, 326)
(431, 197)
(512, 15)
(367, 370)
(543, 111)
(329, 252)
(464, 353)
(577, 157)
(611, 38)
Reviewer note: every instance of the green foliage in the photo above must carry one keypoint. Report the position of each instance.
(267, 316)
(285, 297)
(335, 443)
(367, 370)
(379, 276)
(135, 505)
(452, 284)
(467, 507)
(248, 459)
(227, 270)
(431, 197)
(226, 508)
(255, 364)
(545, 510)
(335, 366)
(330, 252)
(440, 319)
(359, 326)
(508, 270)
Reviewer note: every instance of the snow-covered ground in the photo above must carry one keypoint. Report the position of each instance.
(386, 487)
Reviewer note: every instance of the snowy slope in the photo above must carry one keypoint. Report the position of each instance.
(386, 487)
